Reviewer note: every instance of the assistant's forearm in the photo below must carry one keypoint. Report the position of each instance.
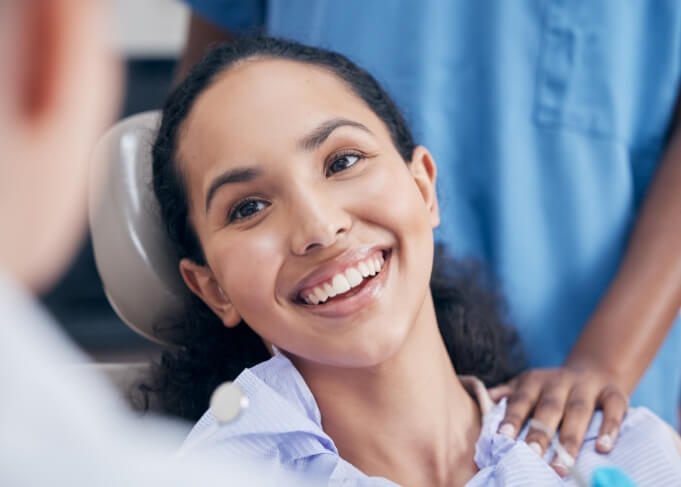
(634, 316)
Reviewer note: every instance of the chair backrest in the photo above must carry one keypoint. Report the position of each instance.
(133, 254)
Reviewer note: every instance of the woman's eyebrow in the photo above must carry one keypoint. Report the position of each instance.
(309, 142)
(317, 137)
(236, 175)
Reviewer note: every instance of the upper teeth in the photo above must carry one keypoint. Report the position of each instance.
(344, 281)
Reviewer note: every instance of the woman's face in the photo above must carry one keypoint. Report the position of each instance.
(297, 194)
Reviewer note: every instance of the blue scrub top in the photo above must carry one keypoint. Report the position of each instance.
(547, 119)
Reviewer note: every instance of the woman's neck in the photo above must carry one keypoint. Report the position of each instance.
(408, 419)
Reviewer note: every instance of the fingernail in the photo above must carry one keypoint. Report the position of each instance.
(535, 447)
(605, 442)
(559, 467)
(507, 429)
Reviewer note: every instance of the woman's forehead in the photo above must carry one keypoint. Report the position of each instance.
(262, 107)
(279, 94)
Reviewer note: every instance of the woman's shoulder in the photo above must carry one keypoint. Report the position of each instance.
(639, 425)
(645, 449)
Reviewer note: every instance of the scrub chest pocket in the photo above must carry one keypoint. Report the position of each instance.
(609, 69)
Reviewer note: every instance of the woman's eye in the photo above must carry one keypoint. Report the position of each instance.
(246, 209)
(342, 163)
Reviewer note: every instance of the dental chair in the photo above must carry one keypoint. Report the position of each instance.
(135, 260)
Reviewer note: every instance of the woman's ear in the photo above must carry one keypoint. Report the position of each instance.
(201, 281)
(424, 171)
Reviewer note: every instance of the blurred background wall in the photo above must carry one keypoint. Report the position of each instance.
(149, 35)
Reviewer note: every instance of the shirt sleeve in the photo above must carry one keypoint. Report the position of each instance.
(233, 15)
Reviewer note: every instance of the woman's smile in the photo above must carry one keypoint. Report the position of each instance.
(344, 288)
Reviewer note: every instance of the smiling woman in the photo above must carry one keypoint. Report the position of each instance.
(303, 216)
(236, 193)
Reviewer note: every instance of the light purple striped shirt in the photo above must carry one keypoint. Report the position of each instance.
(282, 427)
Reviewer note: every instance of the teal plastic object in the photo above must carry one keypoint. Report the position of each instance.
(610, 477)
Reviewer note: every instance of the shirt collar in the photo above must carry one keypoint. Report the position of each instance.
(281, 412)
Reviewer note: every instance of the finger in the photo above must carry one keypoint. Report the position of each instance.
(579, 408)
(615, 404)
(520, 404)
(499, 392)
(549, 412)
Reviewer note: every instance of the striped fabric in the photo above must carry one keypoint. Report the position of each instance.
(282, 427)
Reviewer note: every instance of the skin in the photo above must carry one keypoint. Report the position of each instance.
(633, 317)
(54, 102)
(417, 425)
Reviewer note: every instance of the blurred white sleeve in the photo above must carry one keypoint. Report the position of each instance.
(60, 426)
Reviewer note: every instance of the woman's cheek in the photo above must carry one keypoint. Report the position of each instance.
(395, 197)
(248, 269)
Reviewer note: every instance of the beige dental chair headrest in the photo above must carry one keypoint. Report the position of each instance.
(134, 257)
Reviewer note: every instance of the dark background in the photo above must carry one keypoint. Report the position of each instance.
(78, 301)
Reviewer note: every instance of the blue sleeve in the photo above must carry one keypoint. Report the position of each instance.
(232, 15)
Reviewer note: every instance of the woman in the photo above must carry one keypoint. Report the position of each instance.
(301, 207)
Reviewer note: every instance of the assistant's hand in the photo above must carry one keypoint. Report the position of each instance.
(565, 396)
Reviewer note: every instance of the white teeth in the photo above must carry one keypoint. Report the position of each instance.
(371, 266)
(353, 276)
(344, 281)
(329, 290)
(363, 269)
(321, 295)
(340, 284)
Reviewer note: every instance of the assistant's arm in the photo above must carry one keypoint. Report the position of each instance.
(622, 336)
(630, 324)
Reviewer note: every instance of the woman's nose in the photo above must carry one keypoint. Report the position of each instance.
(317, 221)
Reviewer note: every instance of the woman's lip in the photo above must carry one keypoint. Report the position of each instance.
(339, 264)
(343, 306)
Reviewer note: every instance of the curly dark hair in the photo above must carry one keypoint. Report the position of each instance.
(204, 352)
